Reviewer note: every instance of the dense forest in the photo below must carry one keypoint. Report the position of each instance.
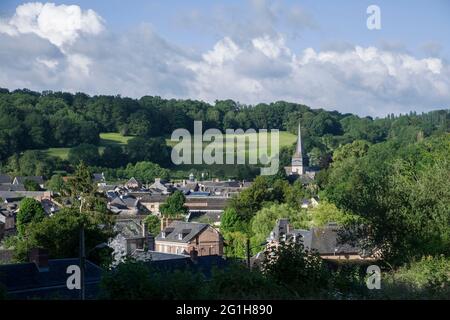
(36, 121)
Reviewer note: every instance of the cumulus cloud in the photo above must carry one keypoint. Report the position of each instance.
(59, 24)
(362, 80)
(78, 54)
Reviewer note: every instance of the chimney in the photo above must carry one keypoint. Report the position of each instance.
(157, 180)
(39, 256)
(163, 224)
(194, 255)
(151, 242)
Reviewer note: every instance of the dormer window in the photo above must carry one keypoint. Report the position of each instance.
(163, 234)
(180, 236)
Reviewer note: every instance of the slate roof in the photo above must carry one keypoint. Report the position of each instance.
(221, 184)
(124, 202)
(12, 187)
(199, 193)
(171, 262)
(212, 203)
(5, 179)
(98, 177)
(10, 196)
(148, 197)
(17, 195)
(325, 241)
(133, 181)
(130, 229)
(146, 256)
(37, 179)
(24, 280)
(189, 230)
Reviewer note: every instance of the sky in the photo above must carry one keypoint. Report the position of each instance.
(318, 53)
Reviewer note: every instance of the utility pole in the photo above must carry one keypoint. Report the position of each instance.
(248, 253)
(82, 257)
(82, 263)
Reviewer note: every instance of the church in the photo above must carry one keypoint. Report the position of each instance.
(297, 167)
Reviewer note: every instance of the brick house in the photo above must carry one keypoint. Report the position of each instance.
(184, 237)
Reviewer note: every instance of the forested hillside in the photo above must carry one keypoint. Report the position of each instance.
(37, 121)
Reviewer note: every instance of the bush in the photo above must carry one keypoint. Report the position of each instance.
(428, 278)
(302, 272)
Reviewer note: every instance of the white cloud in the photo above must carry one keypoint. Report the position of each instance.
(59, 24)
(63, 48)
(49, 63)
(362, 80)
(224, 50)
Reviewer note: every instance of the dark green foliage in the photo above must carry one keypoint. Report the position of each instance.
(32, 120)
(293, 267)
(30, 210)
(134, 280)
(148, 149)
(153, 224)
(174, 205)
(32, 163)
(56, 183)
(402, 194)
(86, 153)
(3, 295)
(113, 157)
(60, 233)
(31, 185)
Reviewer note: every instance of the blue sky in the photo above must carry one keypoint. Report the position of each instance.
(194, 49)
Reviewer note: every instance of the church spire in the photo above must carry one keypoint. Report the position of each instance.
(299, 141)
(297, 158)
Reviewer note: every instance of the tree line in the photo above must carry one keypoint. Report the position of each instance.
(39, 120)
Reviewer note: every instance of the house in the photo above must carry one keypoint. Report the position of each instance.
(5, 179)
(8, 219)
(131, 237)
(44, 278)
(310, 203)
(99, 179)
(12, 187)
(323, 240)
(206, 209)
(13, 196)
(183, 237)
(161, 186)
(152, 202)
(133, 184)
(50, 207)
(222, 188)
(125, 205)
(21, 180)
(187, 187)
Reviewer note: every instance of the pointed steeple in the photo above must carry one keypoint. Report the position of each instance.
(299, 141)
(297, 158)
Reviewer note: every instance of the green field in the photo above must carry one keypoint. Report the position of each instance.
(106, 139)
(110, 138)
(285, 139)
(58, 152)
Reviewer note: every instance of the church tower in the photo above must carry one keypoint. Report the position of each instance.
(297, 158)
